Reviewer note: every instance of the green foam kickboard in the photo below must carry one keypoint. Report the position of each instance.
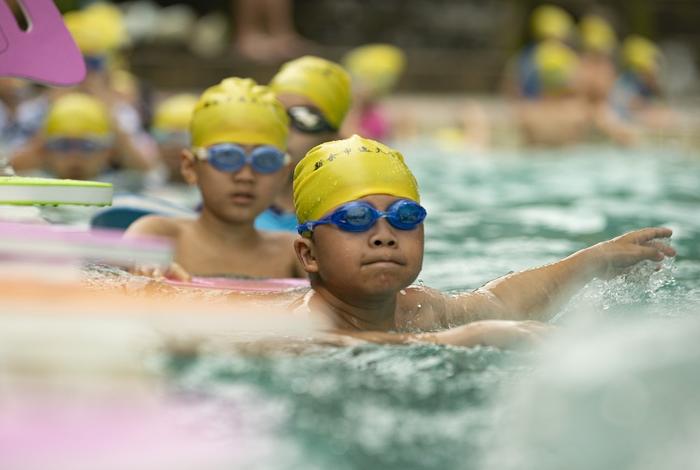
(26, 191)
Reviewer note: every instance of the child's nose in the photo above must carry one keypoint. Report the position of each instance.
(244, 174)
(383, 235)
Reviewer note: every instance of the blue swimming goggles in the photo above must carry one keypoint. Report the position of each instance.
(360, 216)
(231, 158)
(74, 144)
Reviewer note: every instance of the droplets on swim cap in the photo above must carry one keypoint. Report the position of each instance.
(241, 111)
(341, 171)
(325, 83)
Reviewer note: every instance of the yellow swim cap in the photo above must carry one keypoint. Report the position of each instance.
(341, 171)
(78, 115)
(124, 82)
(597, 35)
(551, 22)
(556, 64)
(325, 83)
(376, 66)
(239, 110)
(640, 54)
(98, 29)
(174, 114)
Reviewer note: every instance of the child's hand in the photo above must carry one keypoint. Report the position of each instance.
(611, 257)
(174, 271)
(502, 334)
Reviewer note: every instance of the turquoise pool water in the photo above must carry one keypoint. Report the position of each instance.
(439, 407)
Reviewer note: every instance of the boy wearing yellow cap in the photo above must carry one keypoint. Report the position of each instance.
(597, 69)
(316, 93)
(171, 131)
(522, 77)
(238, 161)
(78, 138)
(559, 115)
(635, 97)
(375, 69)
(361, 243)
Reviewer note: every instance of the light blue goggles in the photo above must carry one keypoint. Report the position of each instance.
(230, 158)
(76, 144)
(360, 216)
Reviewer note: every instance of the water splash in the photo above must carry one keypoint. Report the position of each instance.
(616, 395)
(647, 283)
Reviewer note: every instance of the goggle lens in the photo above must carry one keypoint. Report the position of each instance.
(308, 120)
(68, 144)
(230, 158)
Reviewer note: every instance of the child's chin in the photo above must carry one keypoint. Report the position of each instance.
(240, 215)
(386, 283)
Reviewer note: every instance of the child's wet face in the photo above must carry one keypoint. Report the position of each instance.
(299, 142)
(378, 262)
(237, 197)
(76, 165)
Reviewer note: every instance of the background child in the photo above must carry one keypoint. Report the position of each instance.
(375, 70)
(239, 135)
(78, 138)
(171, 131)
(316, 93)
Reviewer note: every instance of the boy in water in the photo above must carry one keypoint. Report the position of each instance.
(171, 131)
(362, 246)
(238, 161)
(316, 93)
(78, 138)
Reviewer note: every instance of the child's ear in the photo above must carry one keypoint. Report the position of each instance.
(187, 169)
(304, 248)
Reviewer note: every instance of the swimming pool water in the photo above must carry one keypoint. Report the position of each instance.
(439, 407)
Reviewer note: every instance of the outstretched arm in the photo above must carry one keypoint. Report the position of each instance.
(502, 334)
(536, 293)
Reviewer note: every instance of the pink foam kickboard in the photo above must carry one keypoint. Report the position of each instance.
(67, 234)
(46, 52)
(55, 242)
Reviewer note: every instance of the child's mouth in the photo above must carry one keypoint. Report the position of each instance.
(242, 198)
(383, 262)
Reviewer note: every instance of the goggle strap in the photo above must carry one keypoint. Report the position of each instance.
(200, 153)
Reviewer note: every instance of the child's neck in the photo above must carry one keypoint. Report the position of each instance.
(285, 199)
(243, 233)
(377, 314)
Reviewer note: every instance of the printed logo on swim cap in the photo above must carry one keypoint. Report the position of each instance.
(238, 110)
(348, 151)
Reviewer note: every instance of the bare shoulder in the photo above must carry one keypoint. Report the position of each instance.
(158, 226)
(422, 308)
(425, 308)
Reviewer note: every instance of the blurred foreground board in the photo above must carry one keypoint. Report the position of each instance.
(25, 191)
